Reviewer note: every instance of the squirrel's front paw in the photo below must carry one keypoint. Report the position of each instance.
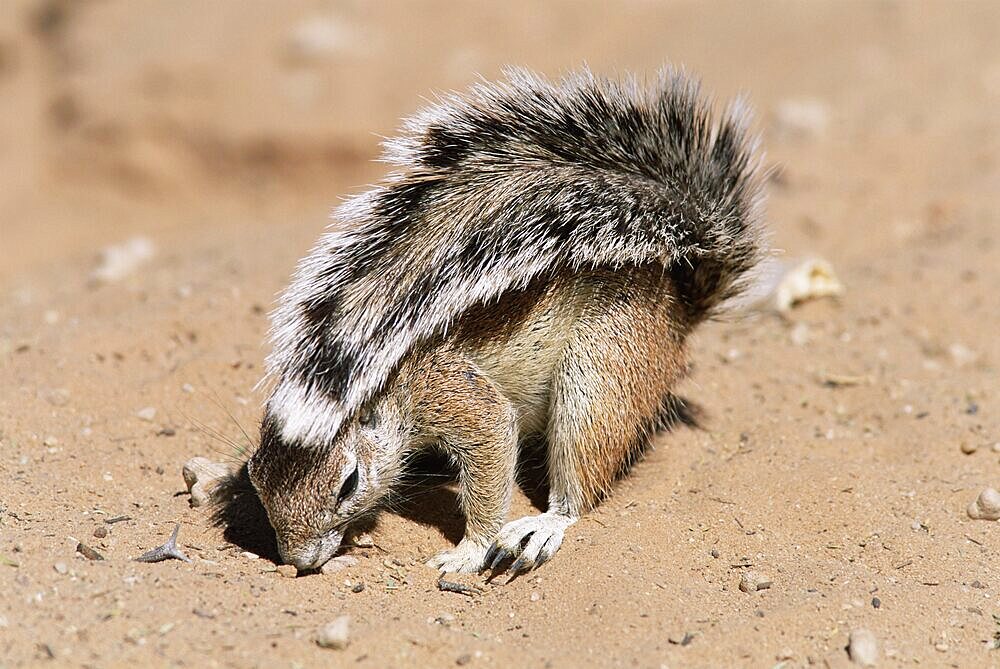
(467, 557)
(531, 540)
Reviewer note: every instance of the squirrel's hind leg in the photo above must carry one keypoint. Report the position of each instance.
(616, 371)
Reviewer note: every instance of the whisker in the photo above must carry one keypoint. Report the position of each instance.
(219, 436)
(241, 452)
(218, 403)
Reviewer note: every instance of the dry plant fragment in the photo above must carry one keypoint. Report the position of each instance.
(809, 280)
(460, 588)
(200, 476)
(168, 551)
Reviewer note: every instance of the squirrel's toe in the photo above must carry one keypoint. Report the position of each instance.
(467, 557)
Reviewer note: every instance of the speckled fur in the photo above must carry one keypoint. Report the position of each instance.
(533, 267)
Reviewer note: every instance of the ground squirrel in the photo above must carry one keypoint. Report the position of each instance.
(532, 267)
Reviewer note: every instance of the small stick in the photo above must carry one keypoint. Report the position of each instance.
(451, 586)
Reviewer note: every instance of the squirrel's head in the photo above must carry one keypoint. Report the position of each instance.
(312, 491)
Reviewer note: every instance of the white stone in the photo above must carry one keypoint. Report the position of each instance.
(335, 635)
(862, 647)
(986, 506)
(339, 563)
(801, 117)
(118, 261)
(147, 414)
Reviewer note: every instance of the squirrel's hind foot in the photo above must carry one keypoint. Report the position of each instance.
(528, 541)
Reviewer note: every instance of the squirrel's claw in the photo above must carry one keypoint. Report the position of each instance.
(496, 556)
(529, 541)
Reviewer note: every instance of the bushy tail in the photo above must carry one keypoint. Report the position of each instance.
(515, 180)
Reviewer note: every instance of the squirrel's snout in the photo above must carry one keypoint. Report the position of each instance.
(304, 561)
(312, 555)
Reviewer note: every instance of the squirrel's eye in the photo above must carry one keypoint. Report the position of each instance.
(350, 485)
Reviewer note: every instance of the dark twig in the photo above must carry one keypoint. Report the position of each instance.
(451, 586)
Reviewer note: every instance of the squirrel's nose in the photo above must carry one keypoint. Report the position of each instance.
(311, 555)
(305, 559)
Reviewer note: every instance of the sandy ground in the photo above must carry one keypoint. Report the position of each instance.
(224, 132)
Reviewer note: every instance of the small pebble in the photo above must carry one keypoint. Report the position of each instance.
(118, 261)
(60, 567)
(969, 447)
(100, 531)
(962, 355)
(287, 570)
(364, 541)
(88, 552)
(751, 581)
(876, 603)
(996, 447)
(318, 38)
(147, 414)
(681, 639)
(358, 587)
(535, 596)
(986, 506)
(862, 647)
(57, 397)
(801, 117)
(334, 635)
(463, 659)
(339, 563)
(250, 556)
(800, 335)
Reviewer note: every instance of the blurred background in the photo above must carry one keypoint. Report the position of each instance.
(124, 116)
